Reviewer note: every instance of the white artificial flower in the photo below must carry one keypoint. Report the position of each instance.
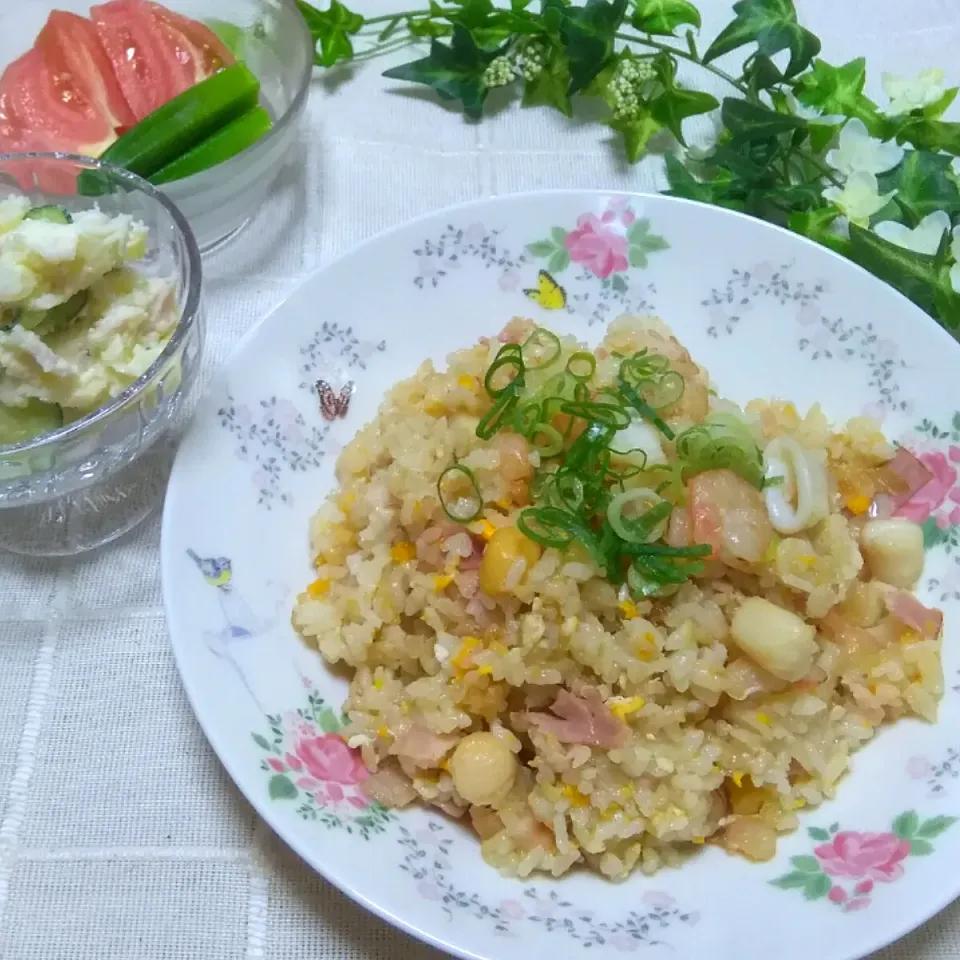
(925, 237)
(911, 94)
(858, 198)
(955, 166)
(704, 150)
(858, 152)
(812, 114)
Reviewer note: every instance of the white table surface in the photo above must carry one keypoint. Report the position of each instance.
(120, 834)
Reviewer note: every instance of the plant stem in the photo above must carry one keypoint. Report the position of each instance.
(685, 55)
(401, 15)
(822, 167)
(390, 46)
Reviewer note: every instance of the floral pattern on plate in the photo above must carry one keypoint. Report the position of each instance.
(426, 861)
(309, 764)
(847, 865)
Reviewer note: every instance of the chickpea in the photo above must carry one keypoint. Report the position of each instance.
(777, 639)
(893, 550)
(865, 603)
(483, 768)
(505, 547)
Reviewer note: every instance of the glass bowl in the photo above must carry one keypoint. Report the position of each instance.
(275, 43)
(92, 480)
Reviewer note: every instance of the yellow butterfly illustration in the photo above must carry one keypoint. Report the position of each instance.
(548, 293)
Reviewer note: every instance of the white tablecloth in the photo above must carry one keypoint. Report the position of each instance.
(120, 834)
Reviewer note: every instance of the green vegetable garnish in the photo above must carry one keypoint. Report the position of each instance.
(459, 494)
(722, 441)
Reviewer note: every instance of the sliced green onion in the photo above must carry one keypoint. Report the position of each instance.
(527, 417)
(546, 440)
(539, 524)
(721, 442)
(644, 408)
(649, 525)
(459, 504)
(540, 349)
(605, 413)
(581, 365)
(508, 358)
(497, 416)
(569, 490)
(666, 391)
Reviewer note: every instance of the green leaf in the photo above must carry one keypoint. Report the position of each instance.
(559, 261)
(818, 833)
(935, 825)
(753, 121)
(328, 721)
(549, 87)
(806, 864)
(773, 26)
(636, 133)
(923, 184)
(331, 29)
(915, 275)
(639, 235)
(925, 134)
(263, 743)
(815, 224)
(920, 848)
(761, 73)
(426, 28)
(905, 826)
(588, 34)
(637, 257)
(817, 886)
(542, 248)
(685, 184)
(662, 17)
(840, 90)
(933, 536)
(454, 72)
(675, 103)
(791, 881)
(558, 235)
(488, 25)
(280, 787)
(934, 111)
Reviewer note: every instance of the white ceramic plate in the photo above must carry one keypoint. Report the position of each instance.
(770, 315)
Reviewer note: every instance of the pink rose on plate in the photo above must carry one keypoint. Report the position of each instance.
(837, 895)
(276, 764)
(429, 891)
(599, 248)
(509, 281)
(513, 909)
(659, 900)
(328, 759)
(623, 942)
(857, 903)
(918, 768)
(855, 856)
(931, 496)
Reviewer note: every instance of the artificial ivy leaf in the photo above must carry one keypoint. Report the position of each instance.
(676, 103)
(761, 73)
(815, 224)
(331, 29)
(588, 34)
(662, 17)
(934, 111)
(748, 121)
(773, 26)
(549, 87)
(489, 25)
(929, 134)
(684, 184)
(636, 133)
(946, 302)
(454, 72)
(915, 275)
(923, 183)
(427, 28)
(840, 90)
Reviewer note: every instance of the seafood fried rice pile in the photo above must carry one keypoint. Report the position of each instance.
(603, 616)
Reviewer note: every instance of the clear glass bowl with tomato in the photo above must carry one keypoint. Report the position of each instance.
(100, 78)
(85, 475)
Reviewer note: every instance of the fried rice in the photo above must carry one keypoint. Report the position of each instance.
(570, 719)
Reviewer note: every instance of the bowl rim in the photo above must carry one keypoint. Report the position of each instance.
(187, 319)
(277, 129)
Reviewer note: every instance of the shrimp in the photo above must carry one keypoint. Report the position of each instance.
(729, 515)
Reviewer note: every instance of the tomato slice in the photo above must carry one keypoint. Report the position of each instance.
(53, 108)
(71, 48)
(195, 43)
(144, 59)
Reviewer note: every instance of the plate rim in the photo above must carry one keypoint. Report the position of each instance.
(263, 810)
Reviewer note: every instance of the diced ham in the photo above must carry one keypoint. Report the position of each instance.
(927, 621)
(516, 331)
(912, 473)
(422, 747)
(390, 787)
(583, 720)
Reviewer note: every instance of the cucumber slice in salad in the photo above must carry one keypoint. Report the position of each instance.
(36, 418)
(51, 212)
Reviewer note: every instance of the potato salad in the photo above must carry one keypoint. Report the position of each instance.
(78, 322)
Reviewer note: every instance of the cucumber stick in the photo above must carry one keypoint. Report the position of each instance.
(227, 142)
(185, 121)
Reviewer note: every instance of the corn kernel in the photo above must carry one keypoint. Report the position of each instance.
(318, 588)
(402, 552)
(909, 636)
(463, 654)
(503, 503)
(764, 719)
(807, 560)
(382, 731)
(485, 671)
(498, 647)
(858, 504)
(576, 798)
(737, 778)
(612, 810)
(699, 840)
(790, 410)
(483, 528)
(442, 581)
(622, 706)
(626, 791)
(378, 683)
(799, 803)
(628, 609)
(435, 409)
(467, 382)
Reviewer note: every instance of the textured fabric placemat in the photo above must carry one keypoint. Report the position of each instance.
(120, 834)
